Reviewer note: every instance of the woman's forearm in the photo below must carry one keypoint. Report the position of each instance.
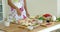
(11, 4)
(25, 6)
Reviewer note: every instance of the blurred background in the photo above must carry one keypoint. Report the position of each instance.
(36, 7)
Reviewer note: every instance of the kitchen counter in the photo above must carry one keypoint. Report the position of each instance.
(17, 28)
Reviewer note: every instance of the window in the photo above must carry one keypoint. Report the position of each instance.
(1, 12)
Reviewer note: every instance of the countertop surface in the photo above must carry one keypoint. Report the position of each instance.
(16, 28)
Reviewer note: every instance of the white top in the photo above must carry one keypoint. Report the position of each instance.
(18, 3)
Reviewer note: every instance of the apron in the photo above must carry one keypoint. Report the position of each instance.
(20, 5)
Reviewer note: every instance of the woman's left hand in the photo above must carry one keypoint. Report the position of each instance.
(28, 15)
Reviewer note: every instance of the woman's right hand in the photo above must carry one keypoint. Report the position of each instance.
(18, 12)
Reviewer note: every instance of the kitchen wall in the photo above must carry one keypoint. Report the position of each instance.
(38, 7)
(58, 8)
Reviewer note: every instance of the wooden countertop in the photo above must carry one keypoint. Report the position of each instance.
(16, 28)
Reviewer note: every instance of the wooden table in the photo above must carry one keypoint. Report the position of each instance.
(16, 28)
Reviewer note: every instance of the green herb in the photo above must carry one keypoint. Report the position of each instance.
(41, 18)
(35, 24)
(58, 19)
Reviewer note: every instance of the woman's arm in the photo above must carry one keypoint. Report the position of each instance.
(25, 6)
(13, 6)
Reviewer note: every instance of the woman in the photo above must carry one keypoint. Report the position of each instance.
(18, 9)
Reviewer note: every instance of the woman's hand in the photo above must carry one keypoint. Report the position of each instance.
(28, 15)
(18, 12)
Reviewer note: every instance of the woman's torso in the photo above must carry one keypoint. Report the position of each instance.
(20, 5)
